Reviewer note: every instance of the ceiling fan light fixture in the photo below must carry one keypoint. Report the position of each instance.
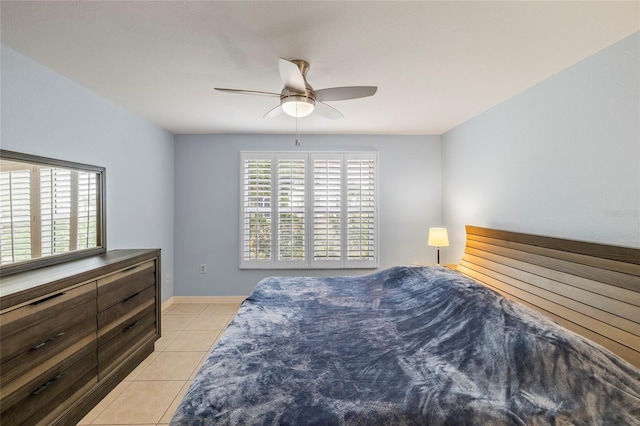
(298, 106)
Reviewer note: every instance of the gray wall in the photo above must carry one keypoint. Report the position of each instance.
(560, 159)
(207, 205)
(44, 113)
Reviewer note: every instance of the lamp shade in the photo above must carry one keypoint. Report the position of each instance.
(438, 237)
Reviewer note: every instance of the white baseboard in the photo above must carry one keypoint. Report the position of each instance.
(203, 299)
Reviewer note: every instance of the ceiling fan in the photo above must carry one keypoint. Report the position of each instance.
(299, 99)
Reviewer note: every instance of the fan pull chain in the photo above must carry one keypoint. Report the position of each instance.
(298, 141)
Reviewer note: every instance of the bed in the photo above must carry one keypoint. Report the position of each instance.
(430, 345)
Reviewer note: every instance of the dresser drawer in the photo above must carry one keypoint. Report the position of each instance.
(126, 306)
(125, 339)
(47, 393)
(48, 335)
(122, 285)
(38, 313)
(30, 358)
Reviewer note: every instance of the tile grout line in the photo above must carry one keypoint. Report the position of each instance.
(172, 401)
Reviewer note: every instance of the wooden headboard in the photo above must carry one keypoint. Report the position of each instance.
(591, 289)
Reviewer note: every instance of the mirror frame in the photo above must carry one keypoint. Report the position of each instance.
(28, 265)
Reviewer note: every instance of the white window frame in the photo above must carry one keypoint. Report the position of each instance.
(308, 262)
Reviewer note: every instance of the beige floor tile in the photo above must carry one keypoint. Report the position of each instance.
(166, 339)
(104, 403)
(222, 308)
(141, 402)
(188, 308)
(173, 322)
(209, 321)
(192, 341)
(172, 366)
(142, 366)
(199, 366)
(168, 308)
(174, 405)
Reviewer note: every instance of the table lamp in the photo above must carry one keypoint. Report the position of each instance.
(438, 238)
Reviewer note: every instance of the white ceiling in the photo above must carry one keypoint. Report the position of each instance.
(436, 64)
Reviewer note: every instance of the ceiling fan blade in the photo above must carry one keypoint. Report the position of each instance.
(274, 112)
(247, 92)
(327, 111)
(291, 76)
(344, 93)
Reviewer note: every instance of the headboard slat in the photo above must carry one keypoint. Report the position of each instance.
(579, 270)
(604, 251)
(610, 311)
(612, 265)
(592, 289)
(538, 269)
(621, 350)
(622, 335)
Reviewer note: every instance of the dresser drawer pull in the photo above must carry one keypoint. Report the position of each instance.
(130, 297)
(46, 385)
(129, 268)
(53, 296)
(49, 340)
(131, 326)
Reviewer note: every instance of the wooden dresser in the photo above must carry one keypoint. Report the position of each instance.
(70, 333)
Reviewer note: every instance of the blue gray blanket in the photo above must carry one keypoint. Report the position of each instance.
(404, 346)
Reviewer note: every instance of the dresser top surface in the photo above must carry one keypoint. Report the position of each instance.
(17, 287)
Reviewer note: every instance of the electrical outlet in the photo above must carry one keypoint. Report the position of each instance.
(203, 268)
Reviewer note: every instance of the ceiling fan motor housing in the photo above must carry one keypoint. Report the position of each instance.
(296, 103)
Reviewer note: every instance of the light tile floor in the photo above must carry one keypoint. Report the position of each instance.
(152, 392)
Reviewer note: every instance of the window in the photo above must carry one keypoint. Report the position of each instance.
(308, 210)
(50, 211)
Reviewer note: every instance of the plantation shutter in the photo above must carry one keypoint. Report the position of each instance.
(15, 215)
(57, 204)
(308, 210)
(361, 210)
(344, 210)
(87, 229)
(256, 210)
(327, 211)
(291, 211)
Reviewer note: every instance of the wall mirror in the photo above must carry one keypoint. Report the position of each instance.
(51, 211)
